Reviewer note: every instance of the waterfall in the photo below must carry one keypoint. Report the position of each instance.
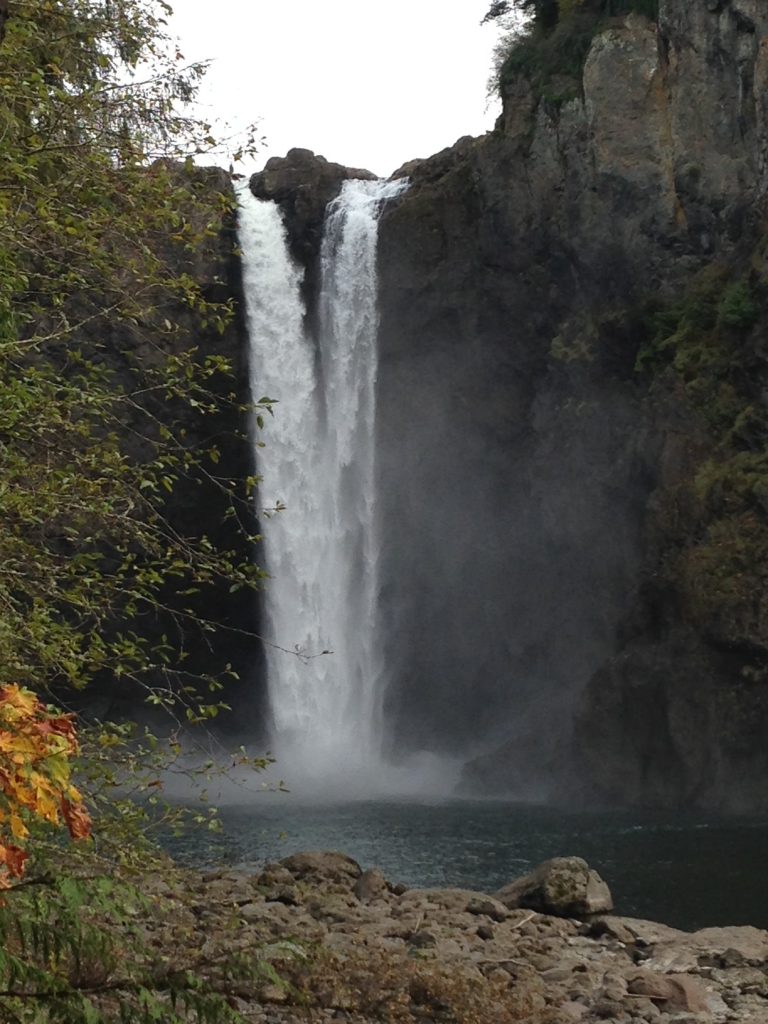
(323, 653)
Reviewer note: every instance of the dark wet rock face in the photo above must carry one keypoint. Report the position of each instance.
(530, 472)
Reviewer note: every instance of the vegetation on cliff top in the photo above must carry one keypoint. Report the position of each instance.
(551, 45)
(547, 14)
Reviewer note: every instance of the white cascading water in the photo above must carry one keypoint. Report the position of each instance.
(323, 655)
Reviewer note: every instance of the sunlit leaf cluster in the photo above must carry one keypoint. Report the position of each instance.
(37, 746)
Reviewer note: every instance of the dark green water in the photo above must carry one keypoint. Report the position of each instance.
(684, 871)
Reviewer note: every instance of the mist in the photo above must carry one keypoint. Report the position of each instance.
(511, 521)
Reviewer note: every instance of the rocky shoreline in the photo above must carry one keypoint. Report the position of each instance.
(339, 943)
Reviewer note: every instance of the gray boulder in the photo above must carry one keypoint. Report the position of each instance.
(322, 866)
(370, 885)
(563, 887)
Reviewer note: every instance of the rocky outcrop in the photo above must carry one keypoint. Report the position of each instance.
(564, 887)
(303, 184)
(440, 954)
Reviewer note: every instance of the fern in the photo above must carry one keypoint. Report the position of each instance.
(70, 953)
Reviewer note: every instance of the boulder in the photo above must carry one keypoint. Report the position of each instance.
(450, 902)
(739, 945)
(676, 993)
(486, 906)
(370, 885)
(322, 866)
(563, 887)
(635, 931)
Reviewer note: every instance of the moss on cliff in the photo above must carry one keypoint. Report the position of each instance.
(709, 350)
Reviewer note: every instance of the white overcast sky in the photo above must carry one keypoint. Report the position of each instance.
(365, 84)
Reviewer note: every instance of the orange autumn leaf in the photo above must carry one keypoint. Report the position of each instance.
(77, 818)
(62, 725)
(21, 699)
(13, 857)
(36, 745)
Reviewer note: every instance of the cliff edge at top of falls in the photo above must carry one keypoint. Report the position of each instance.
(654, 163)
(572, 425)
(303, 184)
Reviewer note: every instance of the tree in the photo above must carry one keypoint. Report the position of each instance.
(100, 224)
(91, 197)
(545, 12)
(101, 215)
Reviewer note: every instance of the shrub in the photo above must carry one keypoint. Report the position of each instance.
(738, 308)
(549, 49)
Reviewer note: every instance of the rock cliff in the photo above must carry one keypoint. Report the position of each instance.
(201, 504)
(517, 278)
(573, 422)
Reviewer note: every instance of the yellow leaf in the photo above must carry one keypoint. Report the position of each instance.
(22, 700)
(18, 828)
(36, 745)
